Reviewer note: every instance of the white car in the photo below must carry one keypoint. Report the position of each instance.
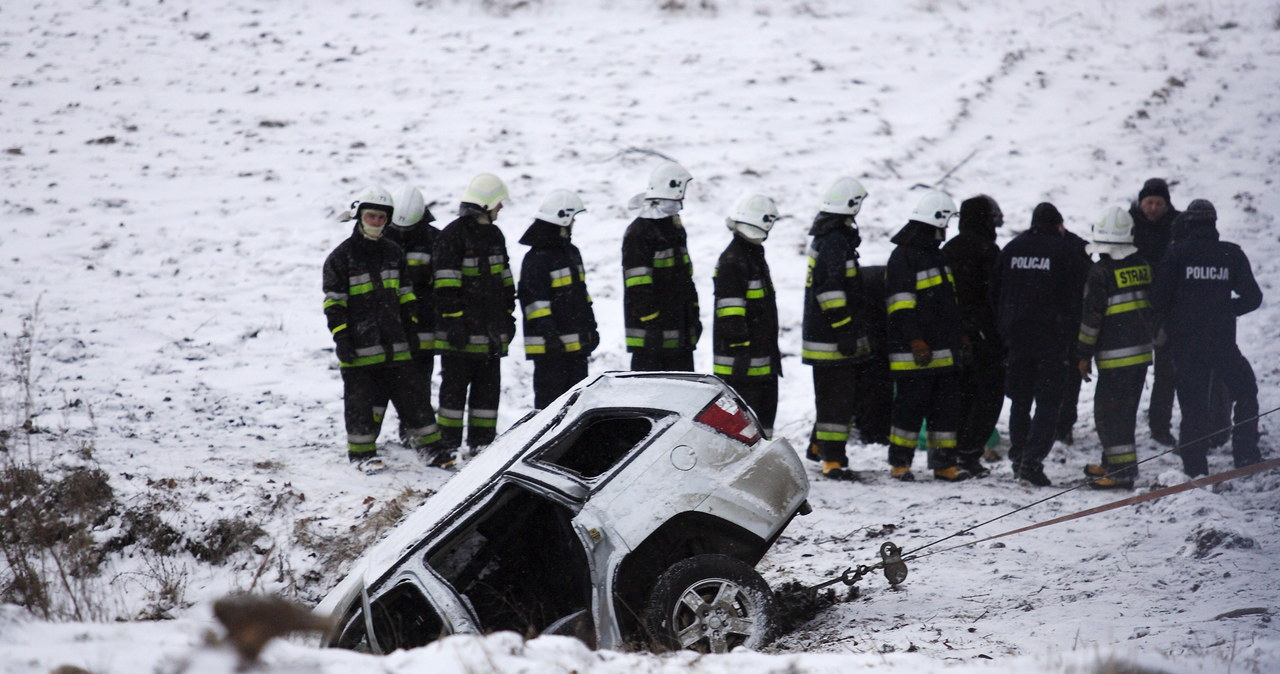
(630, 513)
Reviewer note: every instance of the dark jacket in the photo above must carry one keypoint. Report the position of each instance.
(660, 302)
(921, 302)
(1205, 285)
(553, 295)
(972, 256)
(1152, 237)
(370, 310)
(835, 304)
(745, 328)
(1037, 289)
(1116, 323)
(474, 290)
(417, 243)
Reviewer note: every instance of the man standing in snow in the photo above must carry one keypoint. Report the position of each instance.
(1153, 216)
(971, 255)
(475, 305)
(1203, 285)
(1036, 292)
(659, 299)
(371, 310)
(745, 330)
(835, 337)
(926, 338)
(559, 324)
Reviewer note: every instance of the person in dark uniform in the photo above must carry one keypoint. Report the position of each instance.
(660, 301)
(1203, 285)
(371, 310)
(745, 329)
(559, 323)
(1153, 217)
(475, 297)
(1070, 413)
(836, 343)
(1036, 291)
(971, 255)
(926, 339)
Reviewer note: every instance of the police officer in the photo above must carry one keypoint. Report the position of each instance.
(659, 299)
(926, 337)
(475, 303)
(559, 324)
(1153, 223)
(745, 329)
(835, 332)
(371, 311)
(971, 255)
(1116, 329)
(1202, 286)
(1036, 291)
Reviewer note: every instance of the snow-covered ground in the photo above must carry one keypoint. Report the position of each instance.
(172, 173)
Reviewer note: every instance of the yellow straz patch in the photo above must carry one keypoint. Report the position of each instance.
(1133, 276)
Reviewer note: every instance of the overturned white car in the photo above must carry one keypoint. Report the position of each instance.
(630, 514)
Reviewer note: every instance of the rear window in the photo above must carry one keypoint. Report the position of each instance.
(598, 443)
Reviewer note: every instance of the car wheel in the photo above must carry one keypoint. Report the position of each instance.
(711, 604)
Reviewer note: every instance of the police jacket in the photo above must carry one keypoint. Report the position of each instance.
(1116, 322)
(971, 255)
(474, 290)
(417, 242)
(745, 330)
(660, 302)
(1205, 284)
(835, 304)
(553, 294)
(1036, 290)
(367, 303)
(921, 303)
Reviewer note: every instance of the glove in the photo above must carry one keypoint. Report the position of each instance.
(921, 352)
(1160, 338)
(847, 343)
(456, 334)
(345, 350)
(554, 346)
(1085, 368)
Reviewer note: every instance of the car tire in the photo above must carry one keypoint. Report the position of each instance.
(711, 604)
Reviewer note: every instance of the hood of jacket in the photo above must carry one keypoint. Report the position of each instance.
(544, 234)
(828, 222)
(980, 216)
(916, 234)
(1045, 219)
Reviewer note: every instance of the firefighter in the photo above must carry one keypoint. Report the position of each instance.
(836, 342)
(371, 311)
(475, 302)
(971, 255)
(1202, 286)
(559, 324)
(1116, 330)
(926, 338)
(1153, 223)
(745, 329)
(1036, 291)
(660, 302)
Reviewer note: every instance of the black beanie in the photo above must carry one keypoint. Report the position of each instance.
(1045, 217)
(977, 215)
(1155, 187)
(1200, 213)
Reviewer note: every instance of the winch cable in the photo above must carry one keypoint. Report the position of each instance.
(1166, 491)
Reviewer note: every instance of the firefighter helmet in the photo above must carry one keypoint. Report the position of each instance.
(752, 217)
(560, 207)
(934, 208)
(1114, 226)
(486, 191)
(668, 181)
(410, 207)
(843, 196)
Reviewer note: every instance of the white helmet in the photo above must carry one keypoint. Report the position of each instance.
(486, 191)
(410, 207)
(560, 207)
(935, 208)
(668, 181)
(1115, 225)
(373, 197)
(753, 216)
(843, 196)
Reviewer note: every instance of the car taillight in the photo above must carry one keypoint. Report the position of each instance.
(726, 416)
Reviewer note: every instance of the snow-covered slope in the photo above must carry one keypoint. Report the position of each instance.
(173, 171)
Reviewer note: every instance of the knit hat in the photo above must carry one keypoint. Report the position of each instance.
(1200, 213)
(1045, 217)
(1155, 187)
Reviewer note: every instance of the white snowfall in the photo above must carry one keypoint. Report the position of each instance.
(173, 281)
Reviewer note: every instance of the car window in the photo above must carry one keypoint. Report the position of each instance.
(402, 618)
(598, 443)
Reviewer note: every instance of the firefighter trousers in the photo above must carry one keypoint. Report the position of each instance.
(835, 390)
(555, 374)
(366, 388)
(933, 398)
(469, 387)
(420, 369)
(1199, 371)
(1115, 413)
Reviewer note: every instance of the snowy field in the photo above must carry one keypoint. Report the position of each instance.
(172, 175)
